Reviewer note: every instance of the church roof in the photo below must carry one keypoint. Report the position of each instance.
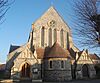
(2, 66)
(40, 53)
(94, 56)
(13, 47)
(51, 14)
(72, 53)
(56, 51)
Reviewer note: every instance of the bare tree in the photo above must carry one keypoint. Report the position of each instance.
(4, 6)
(88, 22)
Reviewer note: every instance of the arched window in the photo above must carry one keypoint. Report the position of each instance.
(42, 36)
(62, 64)
(50, 64)
(50, 37)
(67, 34)
(62, 38)
(55, 35)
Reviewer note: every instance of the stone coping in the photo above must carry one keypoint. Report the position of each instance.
(6, 80)
(15, 80)
(36, 80)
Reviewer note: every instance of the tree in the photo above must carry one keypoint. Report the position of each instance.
(4, 6)
(88, 22)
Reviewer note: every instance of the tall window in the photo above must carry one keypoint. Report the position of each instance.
(62, 64)
(50, 64)
(42, 36)
(55, 35)
(67, 40)
(50, 37)
(62, 38)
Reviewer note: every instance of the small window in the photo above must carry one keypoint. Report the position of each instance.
(35, 71)
(62, 64)
(50, 64)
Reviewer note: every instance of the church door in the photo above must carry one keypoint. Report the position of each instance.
(25, 72)
(85, 71)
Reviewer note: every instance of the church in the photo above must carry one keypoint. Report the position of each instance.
(49, 54)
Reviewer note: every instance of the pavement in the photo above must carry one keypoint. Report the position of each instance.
(72, 81)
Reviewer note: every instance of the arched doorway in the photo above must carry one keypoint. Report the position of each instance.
(25, 72)
(85, 71)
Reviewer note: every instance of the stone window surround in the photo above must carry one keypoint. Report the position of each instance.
(62, 64)
(42, 36)
(46, 41)
(62, 37)
(50, 64)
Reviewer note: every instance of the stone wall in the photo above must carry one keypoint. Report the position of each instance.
(56, 73)
(14, 65)
(44, 21)
(91, 71)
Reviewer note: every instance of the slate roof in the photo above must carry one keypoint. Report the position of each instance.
(13, 47)
(40, 53)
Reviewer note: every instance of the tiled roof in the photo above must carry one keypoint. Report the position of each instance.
(56, 51)
(12, 48)
(40, 53)
(94, 56)
(2, 66)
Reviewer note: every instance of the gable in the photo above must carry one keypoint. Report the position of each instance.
(26, 54)
(50, 27)
(17, 50)
(51, 15)
(19, 56)
(84, 58)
